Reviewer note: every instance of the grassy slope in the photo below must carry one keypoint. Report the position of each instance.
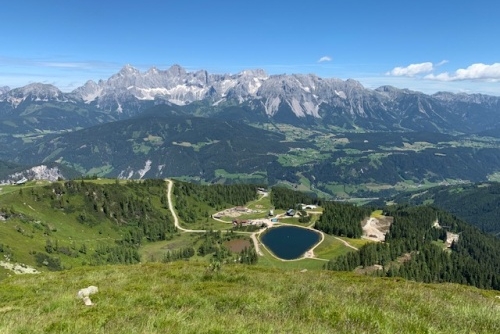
(182, 298)
(70, 233)
(66, 230)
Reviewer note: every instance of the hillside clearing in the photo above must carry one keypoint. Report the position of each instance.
(375, 227)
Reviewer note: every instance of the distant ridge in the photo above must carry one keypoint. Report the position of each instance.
(292, 98)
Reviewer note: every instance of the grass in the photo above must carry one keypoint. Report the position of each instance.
(184, 297)
(269, 261)
(356, 242)
(30, 235)
(377, 214)
(298, 157)
(66, 231)
(154, 251)
(7, 189)
(237, 176)
(494, 177)
(103, 170)
(330, 248)
(38, 223)
(262, 203)
(210, 224)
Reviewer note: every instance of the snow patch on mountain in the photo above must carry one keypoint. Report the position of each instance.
(129, 172)
(341, 94)
(14, 102)
(302, 93)
(146, 169)
(151, 93)
(226, 85)
(129, 91)
(35, 92)
(186, 93)
(119, 109)
(123, 174)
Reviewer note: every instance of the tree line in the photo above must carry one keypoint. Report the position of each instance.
(413, 249)
(194, 202)
(132, 206)
(284, 198)
(342, 219)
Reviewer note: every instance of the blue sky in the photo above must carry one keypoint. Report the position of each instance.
(422, 45)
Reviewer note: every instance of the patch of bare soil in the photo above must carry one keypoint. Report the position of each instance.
(18, 268)
(237, 245)
(236, 212)
(368, 269)
(404, 258)
(375, 228)
(450, 237)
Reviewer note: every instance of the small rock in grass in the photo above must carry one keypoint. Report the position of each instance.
(85, 293)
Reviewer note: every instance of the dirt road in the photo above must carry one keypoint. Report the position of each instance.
(254, 236)
(172, 211)
(346, 243)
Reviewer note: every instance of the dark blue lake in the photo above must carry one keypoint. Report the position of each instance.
(289, 242)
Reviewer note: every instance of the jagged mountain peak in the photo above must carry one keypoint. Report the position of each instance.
(258, 73)
(89, 91)
(35, 92)
(393, 92)
(152, 71)
(467, 98)
(176, 70)
(37, 88)
(388, 89)
(128, 69)
(4, 89)
(290, 97)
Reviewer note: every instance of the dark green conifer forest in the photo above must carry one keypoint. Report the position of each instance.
(412, 250)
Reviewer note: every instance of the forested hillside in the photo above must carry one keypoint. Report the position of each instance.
(284, 198)
(414, 249)
(415, 245)
(194, 202)
(342, 219)
(174, 146)
(71, 223)
(477, 204)
(93, 222)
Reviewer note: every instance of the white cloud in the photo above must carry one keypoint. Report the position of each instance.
(478, 71)
(64, 64)
(442, 62)
(411, 70)
(324, 59)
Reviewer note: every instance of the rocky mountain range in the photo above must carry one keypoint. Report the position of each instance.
(295, 98)
(229, 128)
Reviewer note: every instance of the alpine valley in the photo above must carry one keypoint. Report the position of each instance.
(169, 181)
(326, 136)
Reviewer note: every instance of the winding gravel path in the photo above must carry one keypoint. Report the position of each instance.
(254, 236)
(172, 211)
